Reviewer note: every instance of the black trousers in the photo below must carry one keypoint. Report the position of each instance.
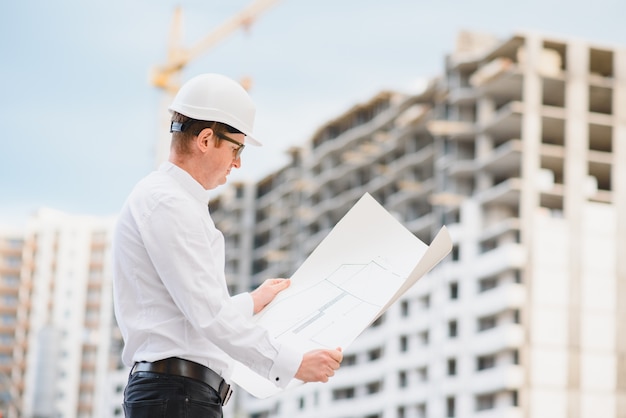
(156, 395)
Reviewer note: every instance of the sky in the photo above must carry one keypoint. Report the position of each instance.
(80, 118)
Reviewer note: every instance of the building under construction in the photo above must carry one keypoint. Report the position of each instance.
(519, 148)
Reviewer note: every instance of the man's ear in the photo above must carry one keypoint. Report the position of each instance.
(203, 138)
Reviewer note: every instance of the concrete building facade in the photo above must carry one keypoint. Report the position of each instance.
(11, 244)
(520, 149)
(65, 339)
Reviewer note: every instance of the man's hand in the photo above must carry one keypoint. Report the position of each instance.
(268, 290)
(319, 365)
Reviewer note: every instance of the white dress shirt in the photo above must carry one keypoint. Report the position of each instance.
(170, 292)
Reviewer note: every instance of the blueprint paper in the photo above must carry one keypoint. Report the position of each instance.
(356, 273)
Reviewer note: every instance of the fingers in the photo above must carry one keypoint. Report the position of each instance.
(268, 290)
(337, 354)
(278, 284)
(282, 283)
(319, 365)
(334, 361)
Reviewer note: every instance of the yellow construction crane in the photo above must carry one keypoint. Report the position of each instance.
(166, 76)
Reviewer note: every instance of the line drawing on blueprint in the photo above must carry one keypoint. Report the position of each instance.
(321, 314)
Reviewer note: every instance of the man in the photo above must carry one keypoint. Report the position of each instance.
(180, 326)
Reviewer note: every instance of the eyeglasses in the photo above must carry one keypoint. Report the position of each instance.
(237, 150)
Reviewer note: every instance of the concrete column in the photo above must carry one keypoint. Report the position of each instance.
(575, 172)
(619, 198)
(531, 142)
(484, 143)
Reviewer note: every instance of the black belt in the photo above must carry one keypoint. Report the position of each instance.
(180, 367)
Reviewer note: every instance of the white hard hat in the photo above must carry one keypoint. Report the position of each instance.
(217, 98)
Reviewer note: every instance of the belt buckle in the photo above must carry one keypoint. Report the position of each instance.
(229, 392)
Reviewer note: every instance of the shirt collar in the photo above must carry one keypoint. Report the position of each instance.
(186, 181)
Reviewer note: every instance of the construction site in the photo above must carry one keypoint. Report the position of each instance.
(517, 147)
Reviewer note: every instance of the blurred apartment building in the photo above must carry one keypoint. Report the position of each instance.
(520, 149)
(56, 293)
(11, 244)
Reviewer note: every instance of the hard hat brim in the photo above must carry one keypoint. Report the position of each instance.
(253, 141)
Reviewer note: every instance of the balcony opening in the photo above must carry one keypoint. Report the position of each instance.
(401, 412)
(487, 283)
(514, 398)
(422, 410)
(450, 407)
(404, 344)
(485, 362)
(553, 203)
(454, 290)
(553, 57)
(601, 99)
(488, 245)
(343, 393)
(515, 357)
(455, 253)
(453, 329)
(553, 131)
(349, 360)
(551, 172)
(601, 63)
(403, 380)
(405, 308)
(600, 138)
(374, 354)
(484, 402)
(553, 92)
(487, 322)
(451, 367)
(373, 387)
(599, 177)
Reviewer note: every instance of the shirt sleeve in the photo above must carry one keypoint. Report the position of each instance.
(244, 304)
(287, 361)
(285, 369)
(185, 258)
